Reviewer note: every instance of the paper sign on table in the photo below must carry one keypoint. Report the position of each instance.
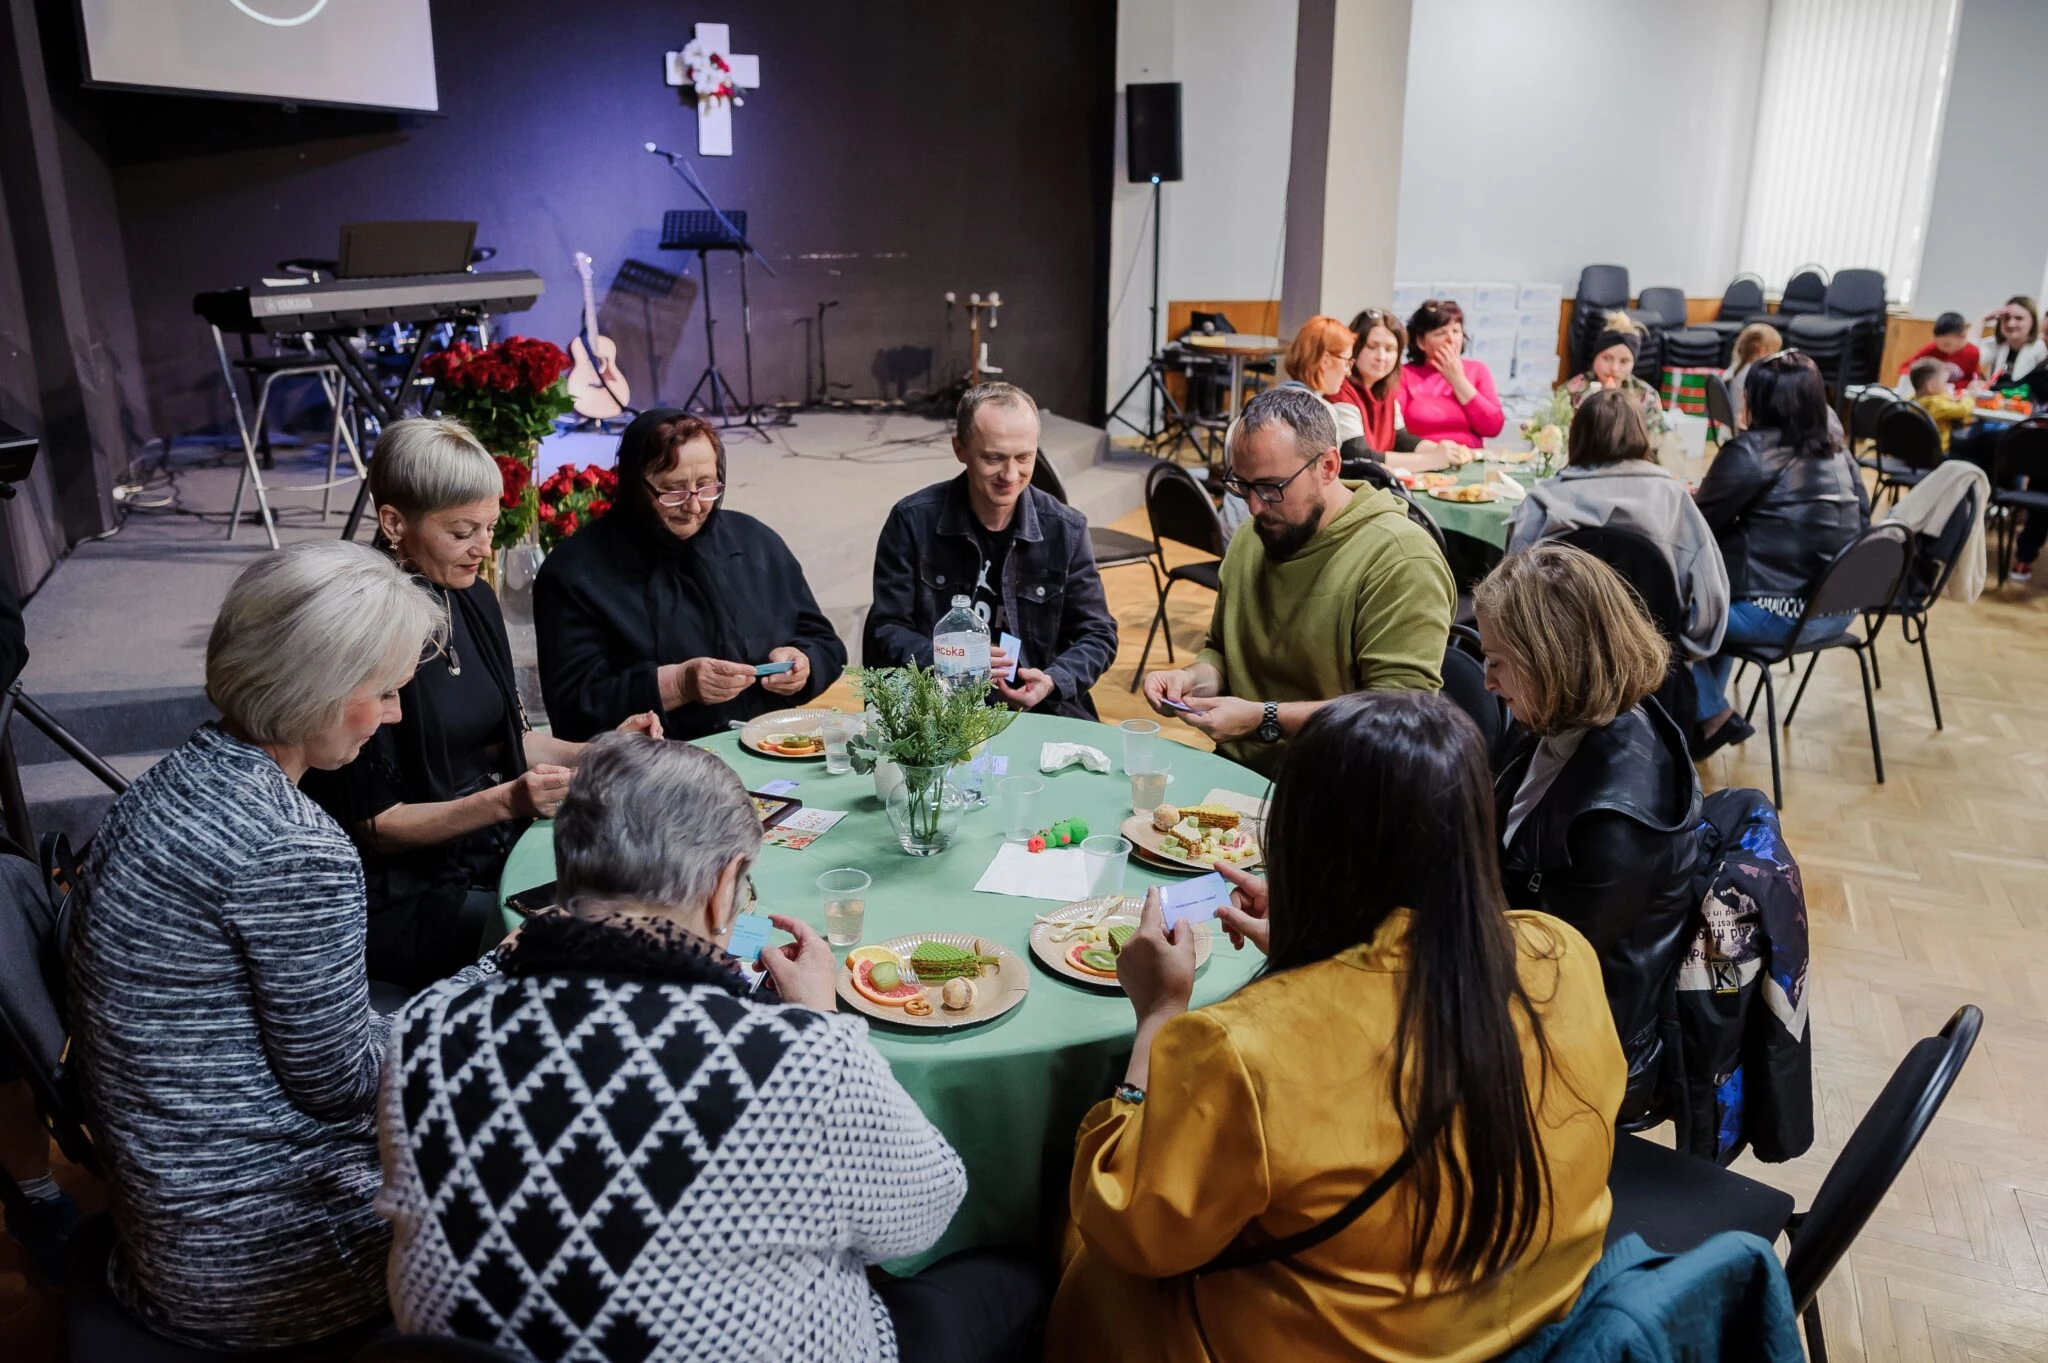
(749, 935)
(990, 764)
(1057, 874)
(1248, 805)
(802, 828)
(778, 788)
(1193, 901)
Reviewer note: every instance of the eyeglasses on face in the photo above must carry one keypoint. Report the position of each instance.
(706, 494)
(1268, 490)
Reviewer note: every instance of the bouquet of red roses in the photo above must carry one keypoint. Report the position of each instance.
(509, 395)
(571, 497)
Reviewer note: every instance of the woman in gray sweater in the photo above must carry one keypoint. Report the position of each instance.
(222, 1020)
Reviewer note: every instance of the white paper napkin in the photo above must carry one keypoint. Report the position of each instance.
(1056, 873)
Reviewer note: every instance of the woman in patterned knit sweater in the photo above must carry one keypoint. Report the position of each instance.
(223, 1023)
(612, 1152)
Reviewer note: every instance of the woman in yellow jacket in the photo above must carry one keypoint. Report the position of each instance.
(1406, 1030)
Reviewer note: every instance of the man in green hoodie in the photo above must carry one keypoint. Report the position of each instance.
(1334, 591)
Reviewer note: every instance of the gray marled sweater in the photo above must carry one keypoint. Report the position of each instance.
(229, 1052)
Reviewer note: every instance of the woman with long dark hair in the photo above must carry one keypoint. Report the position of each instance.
(671, 600)
(1408, 1035)
(1783, 498)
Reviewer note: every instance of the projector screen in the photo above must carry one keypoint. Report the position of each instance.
(368, 53)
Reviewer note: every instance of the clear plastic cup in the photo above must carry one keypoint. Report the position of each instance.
(1148, 790)
(844, 893)
(837, 729)
(1141, 745)
(1105, 856)
(1018, 796)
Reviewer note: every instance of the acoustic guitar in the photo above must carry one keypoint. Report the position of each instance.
(595, 383)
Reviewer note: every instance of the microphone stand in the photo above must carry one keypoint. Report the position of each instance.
(688, 175)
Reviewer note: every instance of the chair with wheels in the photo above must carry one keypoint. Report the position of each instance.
(1676, 1201)
(1180, 511)
(1112, 548)
(1934, 563)
(1863, 578)
(1908, 447)
(2019, 483)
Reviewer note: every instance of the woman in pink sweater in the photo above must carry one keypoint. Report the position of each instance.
(1445, 396)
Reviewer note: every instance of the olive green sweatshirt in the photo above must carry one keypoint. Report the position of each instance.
(1366, 605)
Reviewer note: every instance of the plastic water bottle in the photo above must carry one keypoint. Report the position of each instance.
(960, 645)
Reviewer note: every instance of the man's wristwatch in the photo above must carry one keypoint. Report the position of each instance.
(1269, 727)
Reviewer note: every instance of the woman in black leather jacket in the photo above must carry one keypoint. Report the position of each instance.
(1598, 804)
(1783, 499)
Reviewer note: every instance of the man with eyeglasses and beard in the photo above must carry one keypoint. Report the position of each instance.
(1335, 591)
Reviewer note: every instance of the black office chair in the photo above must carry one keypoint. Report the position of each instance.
(1180, 510)
(1638, 562)
(2021, 454)
(1676, 1201)
(1934, 563)
(1464, 673)
(1804, 292)
(1742, 302)
(1112, 548)
(435, 1349)
(1908, 447)
(1863, 578)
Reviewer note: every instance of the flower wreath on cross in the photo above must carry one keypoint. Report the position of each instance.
(709, 73)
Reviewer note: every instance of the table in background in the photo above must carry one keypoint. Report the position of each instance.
(1239, 349)
(1010, 1094)
(1486, 522)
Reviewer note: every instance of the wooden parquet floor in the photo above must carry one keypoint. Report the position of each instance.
(1925, 893)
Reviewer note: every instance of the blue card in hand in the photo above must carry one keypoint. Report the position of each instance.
(1194, 901)
(1012, 645)
(749, 935)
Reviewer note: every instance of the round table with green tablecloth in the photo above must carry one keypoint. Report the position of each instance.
(1483, 521)
(1008, 1094)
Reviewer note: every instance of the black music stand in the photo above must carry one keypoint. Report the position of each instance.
(705, 231)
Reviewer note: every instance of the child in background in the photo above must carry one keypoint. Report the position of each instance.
(1931, 380)
(1952, 346)
(1757, 341)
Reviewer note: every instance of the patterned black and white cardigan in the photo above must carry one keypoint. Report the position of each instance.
(608, 1153)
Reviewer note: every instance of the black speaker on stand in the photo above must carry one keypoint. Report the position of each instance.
(1152, 154)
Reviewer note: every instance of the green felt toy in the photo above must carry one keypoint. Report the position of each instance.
(1065, 833)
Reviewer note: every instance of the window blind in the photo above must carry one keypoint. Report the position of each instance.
(1848, 124)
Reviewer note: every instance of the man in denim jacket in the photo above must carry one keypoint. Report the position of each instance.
(1019, 554)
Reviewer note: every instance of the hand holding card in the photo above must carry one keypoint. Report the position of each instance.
(1013, 649)
(1193, 901)
(749, 935)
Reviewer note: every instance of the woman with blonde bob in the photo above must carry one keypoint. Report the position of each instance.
(1597, 799)
(222, 1021)
(439, 794)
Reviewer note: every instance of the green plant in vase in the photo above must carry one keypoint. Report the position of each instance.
(924, 725)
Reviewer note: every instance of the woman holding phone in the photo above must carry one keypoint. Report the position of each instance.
(1434, 1167)
(671, 602)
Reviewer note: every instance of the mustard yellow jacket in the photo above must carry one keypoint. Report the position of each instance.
(1271, 1109)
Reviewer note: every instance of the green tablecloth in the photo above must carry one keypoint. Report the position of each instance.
(1484, 521)
(1008, 1095)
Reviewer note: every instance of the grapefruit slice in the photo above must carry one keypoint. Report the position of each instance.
(1092, 958)
(903, 991)
(875, 956)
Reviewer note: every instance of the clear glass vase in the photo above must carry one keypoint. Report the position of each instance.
(924, 810)
(516, 567)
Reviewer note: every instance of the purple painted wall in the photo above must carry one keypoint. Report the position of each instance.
(895, 151)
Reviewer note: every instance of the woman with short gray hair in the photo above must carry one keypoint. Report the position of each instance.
(223, 1028)
(684, 1168)
(439, 794)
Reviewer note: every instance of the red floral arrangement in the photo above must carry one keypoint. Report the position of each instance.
(509, 395)
(571, 498)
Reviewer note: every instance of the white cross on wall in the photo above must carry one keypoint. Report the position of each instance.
(714, 115)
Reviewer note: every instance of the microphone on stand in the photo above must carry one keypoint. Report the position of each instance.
(668, 156)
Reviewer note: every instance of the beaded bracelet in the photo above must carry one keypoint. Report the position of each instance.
(1129, 1093)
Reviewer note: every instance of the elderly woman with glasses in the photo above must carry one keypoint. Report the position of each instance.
(436, 798)
(673, 603)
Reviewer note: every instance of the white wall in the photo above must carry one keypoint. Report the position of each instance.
(1987, 237)
(1540, 136)
(1222, 224)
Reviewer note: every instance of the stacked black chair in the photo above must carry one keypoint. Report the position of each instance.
(1602, 289)
(2019, 482)
(1638, 562)
(1742, 302)
(1863, 579)
(1846, 337)
(1180, 511)
(1805, 292)
(1934, 563)
(1908, 446)
(1677, 1201)
(1663, 313)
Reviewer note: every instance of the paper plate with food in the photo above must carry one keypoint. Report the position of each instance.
(1426, 481)
(1083, 940)
(798, 735)
(1470, 492)
(1509, 456)
(934, 980)
(1194, 838)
